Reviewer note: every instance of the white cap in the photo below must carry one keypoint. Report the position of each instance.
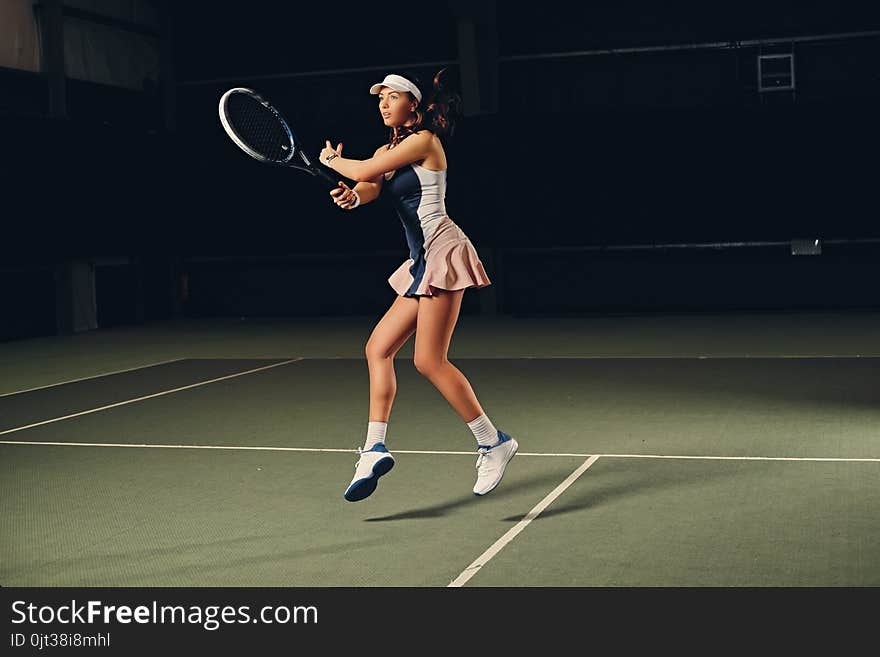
(399, 83)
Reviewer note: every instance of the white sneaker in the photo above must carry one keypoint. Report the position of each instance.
(371, 465)
(492, 461)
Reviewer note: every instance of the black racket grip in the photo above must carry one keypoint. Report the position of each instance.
(332, 182)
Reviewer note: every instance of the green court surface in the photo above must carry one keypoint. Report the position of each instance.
(225, 466)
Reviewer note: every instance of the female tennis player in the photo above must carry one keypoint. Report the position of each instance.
(442, 264)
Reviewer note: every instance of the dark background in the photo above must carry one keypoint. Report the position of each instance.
(652, 177)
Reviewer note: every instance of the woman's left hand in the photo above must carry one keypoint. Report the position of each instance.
(327, 151)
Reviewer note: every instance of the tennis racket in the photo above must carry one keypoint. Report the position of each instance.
(259, 130)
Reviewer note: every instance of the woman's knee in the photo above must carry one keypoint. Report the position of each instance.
(374, 350)
(428, 366)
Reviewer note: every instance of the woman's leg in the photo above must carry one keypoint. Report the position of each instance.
(389, 335)
(436, 322)
(437, 316)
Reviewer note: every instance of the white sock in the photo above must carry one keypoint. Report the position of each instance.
(484, 431)
(375, 434)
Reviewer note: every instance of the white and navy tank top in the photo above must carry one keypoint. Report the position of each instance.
(419, 196)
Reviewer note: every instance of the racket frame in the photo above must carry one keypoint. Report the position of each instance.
(295, 146)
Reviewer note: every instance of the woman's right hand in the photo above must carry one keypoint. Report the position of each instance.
(344, 196)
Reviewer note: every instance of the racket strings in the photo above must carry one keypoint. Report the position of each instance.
(259, 127)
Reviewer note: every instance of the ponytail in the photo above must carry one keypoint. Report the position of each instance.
(443, 107)
(441, 111)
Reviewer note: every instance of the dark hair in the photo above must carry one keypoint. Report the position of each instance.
(442, 107)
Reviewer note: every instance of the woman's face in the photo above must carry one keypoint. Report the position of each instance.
(396, 107)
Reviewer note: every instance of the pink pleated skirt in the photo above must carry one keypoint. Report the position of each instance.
(451, 263)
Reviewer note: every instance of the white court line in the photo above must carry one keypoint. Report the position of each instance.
(632, 357)
(158, 394)
(267, 448)
(94, 376)
(148, 446)
(739, 458)
(498, 545)
(674, 357)
(255, 448)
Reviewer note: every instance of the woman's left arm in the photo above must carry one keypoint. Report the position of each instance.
(414, 148)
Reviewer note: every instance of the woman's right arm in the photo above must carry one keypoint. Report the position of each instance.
(367, 191)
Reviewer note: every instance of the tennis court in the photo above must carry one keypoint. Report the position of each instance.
(715, 450)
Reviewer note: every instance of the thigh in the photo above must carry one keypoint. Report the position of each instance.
(395, 327)
(436, 321)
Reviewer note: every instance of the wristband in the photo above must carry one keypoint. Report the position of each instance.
(357, 200)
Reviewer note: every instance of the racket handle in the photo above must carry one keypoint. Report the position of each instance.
(330, 180)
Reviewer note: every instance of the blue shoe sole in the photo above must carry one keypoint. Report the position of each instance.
(363, 488)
